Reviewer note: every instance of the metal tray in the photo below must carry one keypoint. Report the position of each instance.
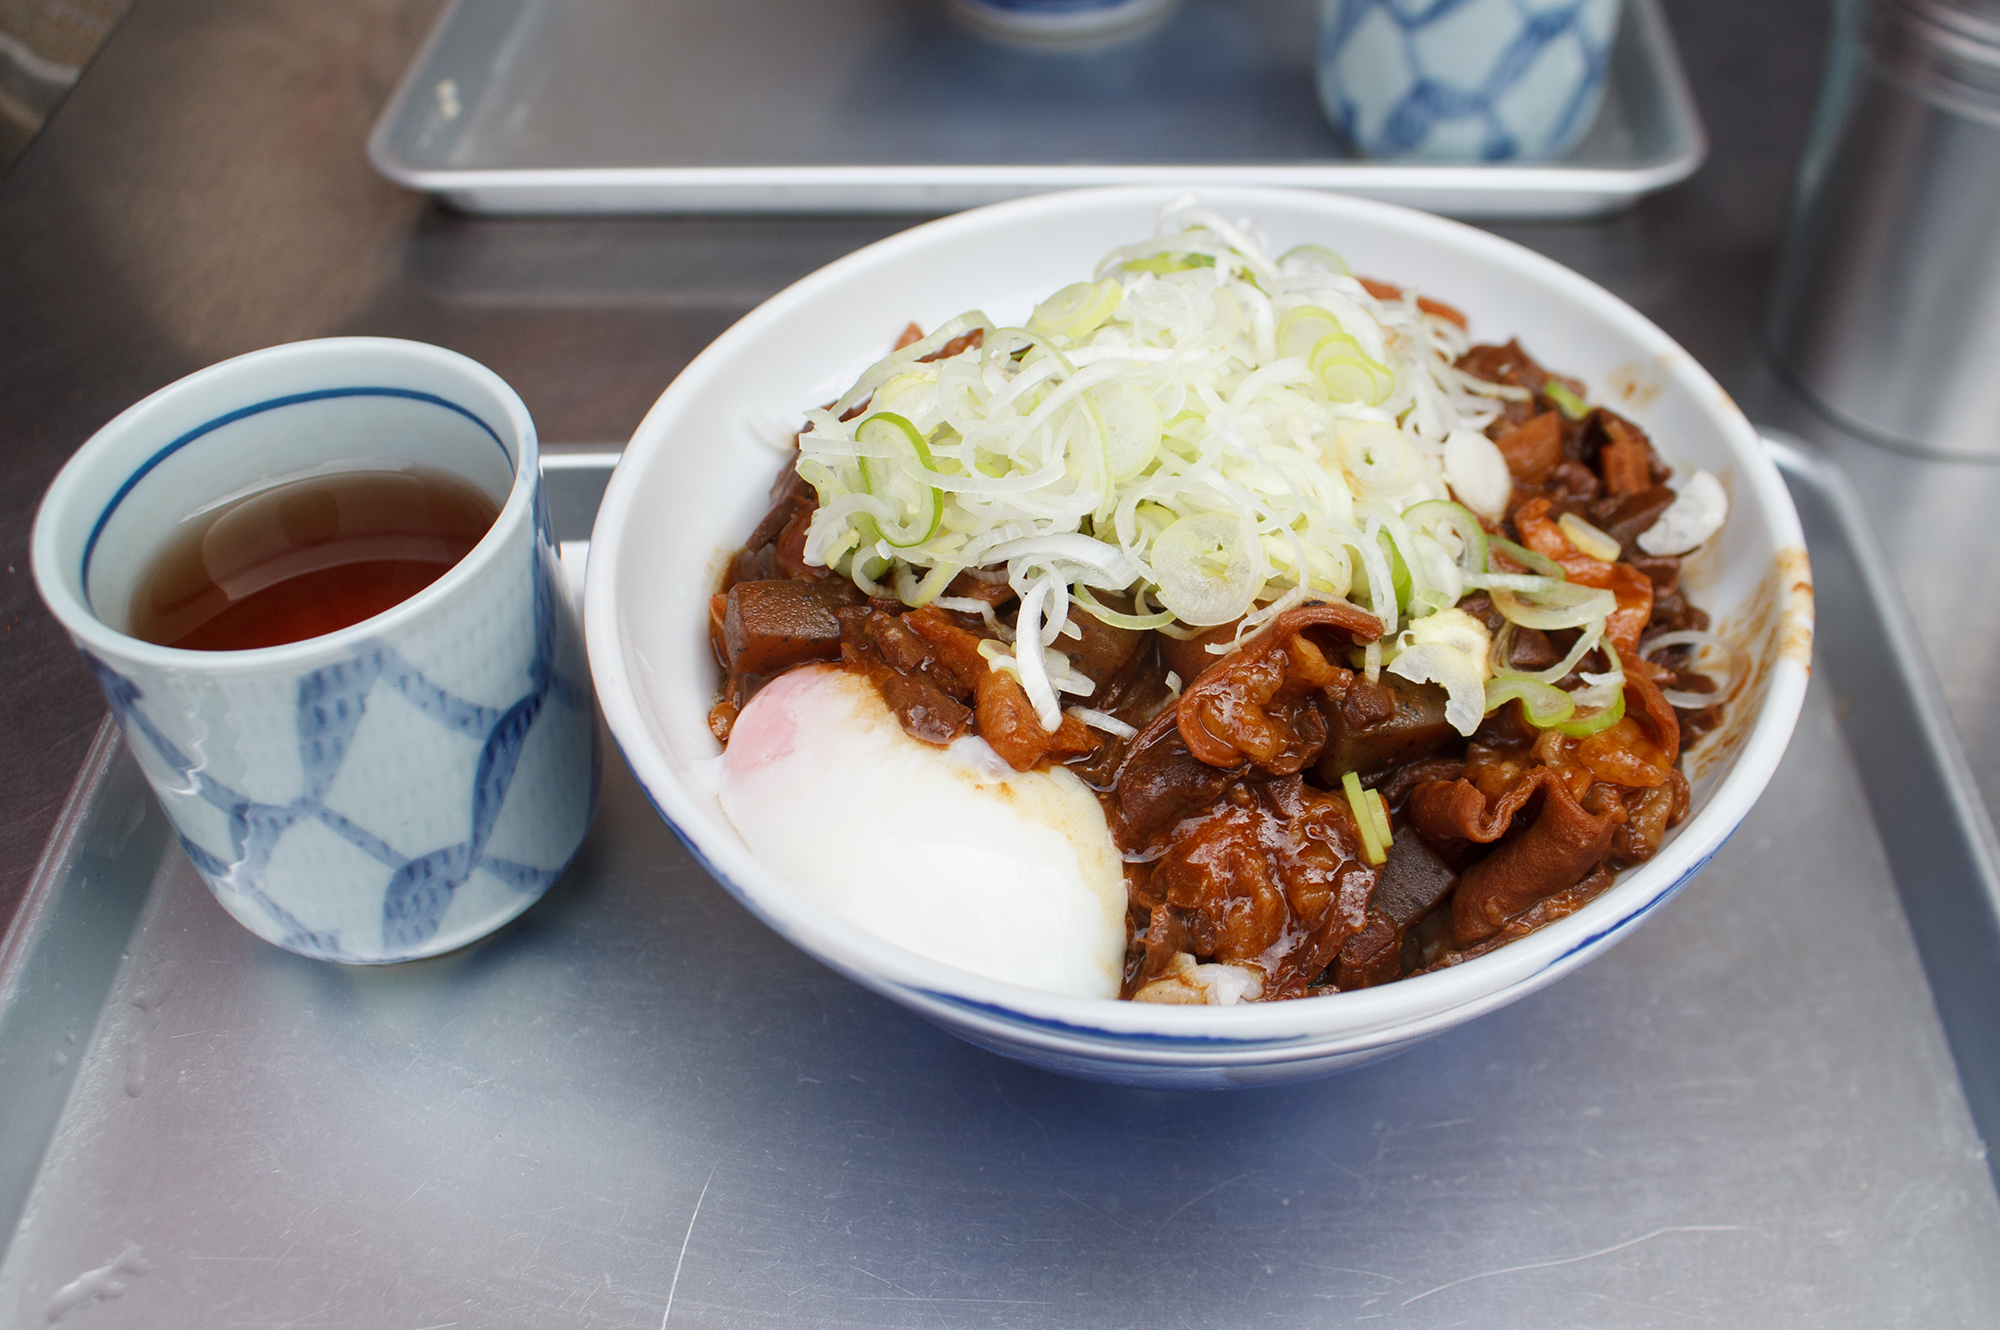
(537, 106)
(637, 1107)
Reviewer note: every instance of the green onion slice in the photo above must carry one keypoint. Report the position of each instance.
(1299, 331)
(1503, 645)
(1399, 579)
(1565, 605)
(1597, 544)
(1078, 310)
(1357, 800)
(1566, 401)
(1349, 373)
(1138, 623)
(1546, 705)
(1204, 569)
(1547, 572)
(1604, 717)
(1533, 560)
(893, 461)
(1380, 812)
(1596, 720)
(1131, 425)
(1165, 263)
(896, 361)
(1459, 520)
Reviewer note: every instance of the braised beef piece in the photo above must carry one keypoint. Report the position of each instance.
(1627, 517)
(1663, 569)
(1480, 606)
(789, 495)
(770, 626)
(1648, 814)
(1136, 693)
(1560, 846)
(1008, 723)
(1270, 876)
(1630, 464)
(1409, 886)
(1672, 613)
(1514, 367)
(896, 661)
(1533, 448)
(1379, 725)
(776, 547)
(1572, 485)
(1625, 460)
(1395, 788)
(1099, 651)
(1436, 949)
(1531, 649)
(751, 565)
(1261, 703)
(1700, 721)
(1158, 784)
(1505, 731)
(1190, 657)
(1006, 718)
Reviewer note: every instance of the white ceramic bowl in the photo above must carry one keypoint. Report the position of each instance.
(695, 478)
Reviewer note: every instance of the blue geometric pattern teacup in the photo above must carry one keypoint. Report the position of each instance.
(1464, 80)
(391, 790)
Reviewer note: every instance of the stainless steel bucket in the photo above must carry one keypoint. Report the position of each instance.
(1886, 308)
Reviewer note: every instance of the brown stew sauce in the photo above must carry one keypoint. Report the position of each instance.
(1239, 845)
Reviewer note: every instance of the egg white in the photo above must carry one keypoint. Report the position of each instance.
(947, 852)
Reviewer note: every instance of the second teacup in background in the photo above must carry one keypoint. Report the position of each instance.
(1464, 80)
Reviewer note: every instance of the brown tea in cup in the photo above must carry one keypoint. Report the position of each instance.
(306, 556)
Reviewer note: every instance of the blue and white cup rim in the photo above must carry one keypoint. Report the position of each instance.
(61, 566)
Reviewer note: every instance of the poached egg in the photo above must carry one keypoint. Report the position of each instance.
(947, 852)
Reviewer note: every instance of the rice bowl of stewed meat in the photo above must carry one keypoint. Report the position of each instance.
(1198, 642)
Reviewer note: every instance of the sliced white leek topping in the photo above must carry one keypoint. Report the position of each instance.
(1695, 514)
(1564, 605)
(1131, 425)
(1077, 310)
(1448, 648)
(1102, 720)
(1301, 329)
(894, 460)
(1200, 428)
(1205, 569)
(1308, 257)
(1376, 457)
(1477, 472)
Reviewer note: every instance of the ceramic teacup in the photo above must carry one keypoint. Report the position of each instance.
(393, 789)
(1466, 81)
